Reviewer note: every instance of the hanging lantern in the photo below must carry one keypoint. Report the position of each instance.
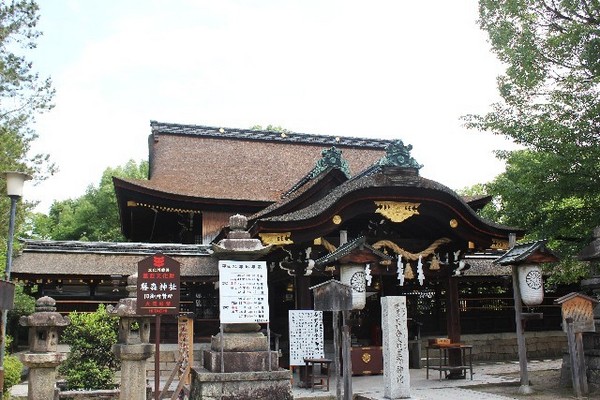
(354, 276)
(531, 284)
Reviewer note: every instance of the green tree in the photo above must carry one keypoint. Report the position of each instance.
(91, 217)
(91, 363)
(23, 94)
(550, 106)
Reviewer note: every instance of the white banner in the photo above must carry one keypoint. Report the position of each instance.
(306, 335)
(243, 292)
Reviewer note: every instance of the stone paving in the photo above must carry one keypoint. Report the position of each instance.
(371, 387)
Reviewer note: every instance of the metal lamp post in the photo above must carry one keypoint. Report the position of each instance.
(14, 190)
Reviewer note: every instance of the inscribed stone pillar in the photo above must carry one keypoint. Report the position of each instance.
(396, 376)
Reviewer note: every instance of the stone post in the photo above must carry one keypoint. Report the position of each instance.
(43, 357)
(133, 347)
(396, 376)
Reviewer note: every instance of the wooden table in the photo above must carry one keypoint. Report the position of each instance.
(313, 377)
(466, 360)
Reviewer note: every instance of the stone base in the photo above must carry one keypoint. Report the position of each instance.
(254, 341)
(264, 385)
(240, 361)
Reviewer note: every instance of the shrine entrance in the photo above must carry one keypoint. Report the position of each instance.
(402, 235)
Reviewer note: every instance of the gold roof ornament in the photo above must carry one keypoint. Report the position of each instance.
(397, 211)
(276, 238)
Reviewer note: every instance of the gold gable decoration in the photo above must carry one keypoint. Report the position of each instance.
(397, 211)
(276, 239)
(498, 244)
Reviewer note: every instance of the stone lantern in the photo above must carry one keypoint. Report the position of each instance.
(43, 358)
(133, 347)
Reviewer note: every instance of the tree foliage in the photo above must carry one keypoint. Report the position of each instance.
(91, 217)
(91, 363)
(551, 107)
(23, 95)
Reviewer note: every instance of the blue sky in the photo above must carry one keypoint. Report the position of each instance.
(384, 69)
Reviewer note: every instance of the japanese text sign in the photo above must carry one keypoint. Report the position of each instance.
(306, 335)
(158, 285)
(243, 292)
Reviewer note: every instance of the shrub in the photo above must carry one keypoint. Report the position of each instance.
(91, 363)
(12, 372)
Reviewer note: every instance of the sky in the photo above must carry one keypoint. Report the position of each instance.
(394, 69)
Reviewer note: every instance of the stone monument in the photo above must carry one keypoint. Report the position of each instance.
(240, 364)
(43, 358)
(396, 376)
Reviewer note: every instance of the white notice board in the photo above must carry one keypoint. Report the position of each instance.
(306, 335)
(243, 292)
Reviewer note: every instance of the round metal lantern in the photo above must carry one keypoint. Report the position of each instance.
(354, 276)
(531, 284)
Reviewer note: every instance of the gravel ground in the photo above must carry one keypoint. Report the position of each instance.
(544, 382)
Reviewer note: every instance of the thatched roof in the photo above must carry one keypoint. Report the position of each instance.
(241, 164)
(68, 258)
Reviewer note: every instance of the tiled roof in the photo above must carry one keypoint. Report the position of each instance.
(249, 134)
(348, 248)
(74, 246)
(521, 253)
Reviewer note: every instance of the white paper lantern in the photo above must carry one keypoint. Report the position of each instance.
(531, 284)
(354, 276)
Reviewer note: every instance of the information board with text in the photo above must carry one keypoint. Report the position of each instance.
(306, 335)
(243, 292)
(158, 285)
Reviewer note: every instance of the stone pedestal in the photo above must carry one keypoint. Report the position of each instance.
(242, 352)
(263, 385)
(42, 373)
(43, 358)
(133, 369)
(396, 376)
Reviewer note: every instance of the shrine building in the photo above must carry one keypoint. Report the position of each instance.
(321, 203)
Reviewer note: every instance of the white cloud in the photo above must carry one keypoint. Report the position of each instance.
(385, 69)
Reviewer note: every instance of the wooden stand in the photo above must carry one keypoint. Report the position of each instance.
(317, 372)
(466, 362)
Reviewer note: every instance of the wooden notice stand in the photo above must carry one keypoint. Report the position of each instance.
(442, 365)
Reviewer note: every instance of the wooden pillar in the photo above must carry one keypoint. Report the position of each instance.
(303, 292)
(453, 324)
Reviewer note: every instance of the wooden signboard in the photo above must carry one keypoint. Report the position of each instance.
(243, 292)
(332, 296)
(158, 285)
(580, 308)
(306, 335)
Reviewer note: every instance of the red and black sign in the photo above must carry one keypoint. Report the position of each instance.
(158, 285)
